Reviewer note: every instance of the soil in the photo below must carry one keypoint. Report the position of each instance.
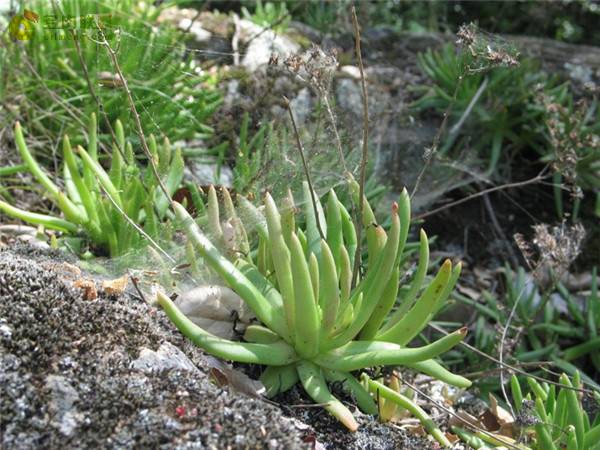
(70, 377)
(468, 232)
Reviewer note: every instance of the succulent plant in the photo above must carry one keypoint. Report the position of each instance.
(317, 323)
(550, 417)
(95, 202)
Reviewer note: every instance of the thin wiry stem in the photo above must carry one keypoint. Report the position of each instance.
(365, 147)
(338, 140)
(136, 116)
(93, 94)
(305, 165)
(52, 94)
(538, 178)
(430, 153)
(508, 366)
(501, 350)
(136, 226)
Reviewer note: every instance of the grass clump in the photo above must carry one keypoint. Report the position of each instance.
(501, 106)
(64, 71)
(273, 15)
(490, 105)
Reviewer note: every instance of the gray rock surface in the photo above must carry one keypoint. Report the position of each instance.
(261, 44)
(167, 357)
(75, 373)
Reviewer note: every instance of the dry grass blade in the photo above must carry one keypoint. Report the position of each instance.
(136, 116)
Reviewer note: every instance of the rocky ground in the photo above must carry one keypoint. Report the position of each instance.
(114, 373)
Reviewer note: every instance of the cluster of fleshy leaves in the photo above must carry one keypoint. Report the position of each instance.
(102, 204)
(558, 415)
(316, 324)
(548, 417)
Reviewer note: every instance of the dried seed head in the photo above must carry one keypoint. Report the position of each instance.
(315, 67)
(551, 248)
(527, 416)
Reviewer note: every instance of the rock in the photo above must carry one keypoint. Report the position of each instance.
(350, 71)
(167, 357)
(61, 406)
(232, 93)
(69, 376)
(348, 95)
(34, 241)
(261, 44)
(208, 173)
(302, 106)
(195, 29)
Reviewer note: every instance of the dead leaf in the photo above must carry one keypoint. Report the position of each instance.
(217, 309)
(88, 287)
(452, 437)
(504, 418)
(116, 286)
(223, 375)
(31, 16)
(416, 429)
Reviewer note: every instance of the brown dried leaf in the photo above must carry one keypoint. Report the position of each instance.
(222, 374)
(504, 418)
(88, 287)
(116, 286)
(31, 16)
(453, 438)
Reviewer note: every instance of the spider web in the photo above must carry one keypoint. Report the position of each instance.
(280, 169)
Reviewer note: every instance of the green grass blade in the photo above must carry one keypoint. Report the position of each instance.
(102, 176)
(408, 299)
(329, 293)
(71, 211)
(409, 405)
(279, 379)
(358, 354)
(280, 255)
(437, 371)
